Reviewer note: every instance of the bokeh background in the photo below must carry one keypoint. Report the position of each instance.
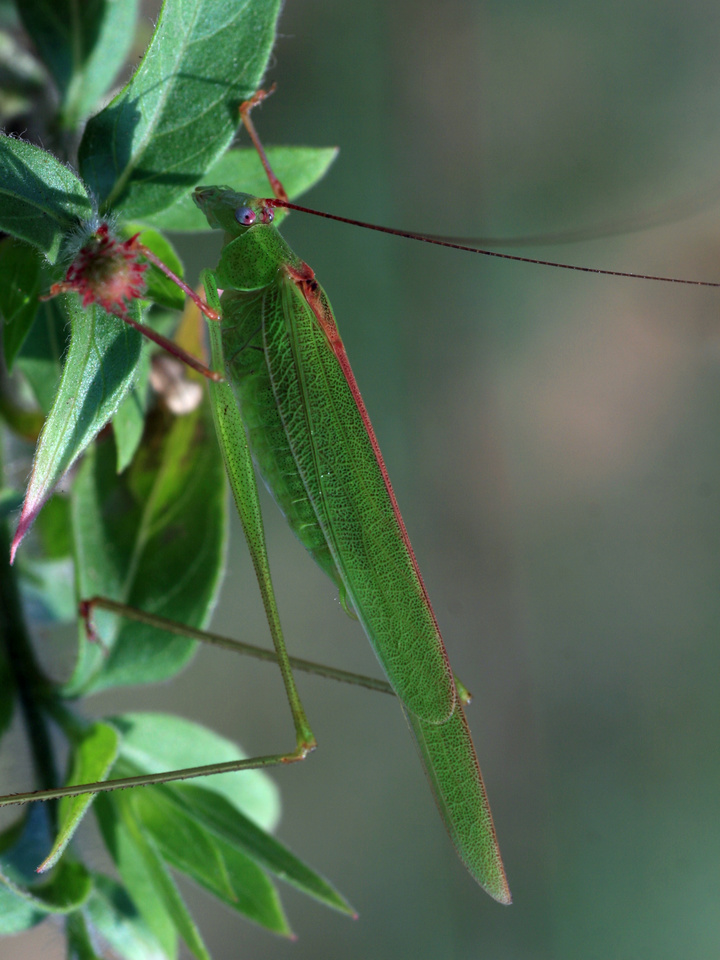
(554, 441)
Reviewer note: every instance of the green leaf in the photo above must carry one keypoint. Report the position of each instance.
(216, 815)
(40, 357)
(53, 528)
(25, 843)
(178, 114)
(299, 169)
(158, 742)
(83, 46)
(48, 587)
(79, 944)
(129, 421)
(47, 580)
(17, 913)
(92, 759)
(160, 288)
(154, 538)
(161, 879)
(19, 288)
(10, 501)
(98, 372)
(217, 866)
(23, 77)
(22, 847)
(134, 872)
(69, 889)
(117, 920)
(41, 200)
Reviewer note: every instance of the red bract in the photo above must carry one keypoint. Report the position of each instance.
(106, 271)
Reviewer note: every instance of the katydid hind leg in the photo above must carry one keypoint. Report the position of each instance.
(86, 608)
(143, 780)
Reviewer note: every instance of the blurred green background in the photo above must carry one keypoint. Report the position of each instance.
(554, 443)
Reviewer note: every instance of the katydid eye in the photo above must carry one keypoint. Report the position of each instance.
(245, 216)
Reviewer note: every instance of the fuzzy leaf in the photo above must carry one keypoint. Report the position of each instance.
(41, 200)
(299, 169)
(178, 114)
(68, 889)
(98, 372)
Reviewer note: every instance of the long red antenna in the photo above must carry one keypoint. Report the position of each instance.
(439, 242)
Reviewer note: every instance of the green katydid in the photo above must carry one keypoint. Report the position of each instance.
(313, 442)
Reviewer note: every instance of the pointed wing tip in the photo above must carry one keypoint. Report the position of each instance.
(490, 876)
(501, 895)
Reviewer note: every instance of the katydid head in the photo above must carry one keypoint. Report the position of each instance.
(229, 210)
